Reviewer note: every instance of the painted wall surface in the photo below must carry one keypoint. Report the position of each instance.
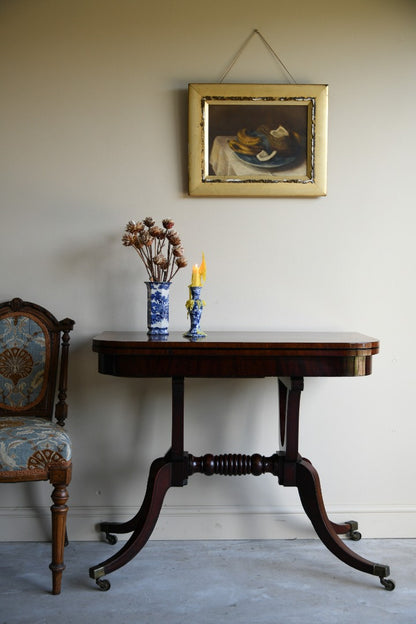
(93, 118)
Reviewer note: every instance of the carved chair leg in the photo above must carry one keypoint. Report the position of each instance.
(60, 478)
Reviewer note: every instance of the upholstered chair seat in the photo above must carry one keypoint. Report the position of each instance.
(28, 446)
(33, 374)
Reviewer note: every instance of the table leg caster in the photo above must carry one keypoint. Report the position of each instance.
(106, 528)
(382, 572)
(97, 574)
(103, 584)
(111, 538)
(388, 584)
(353, 534)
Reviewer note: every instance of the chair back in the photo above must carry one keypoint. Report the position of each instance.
(30, 366)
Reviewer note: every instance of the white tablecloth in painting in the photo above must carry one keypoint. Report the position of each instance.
(225, 162)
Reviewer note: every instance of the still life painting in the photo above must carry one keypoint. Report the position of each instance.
(257, 140)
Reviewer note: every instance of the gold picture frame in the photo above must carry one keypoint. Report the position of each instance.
(257, 140)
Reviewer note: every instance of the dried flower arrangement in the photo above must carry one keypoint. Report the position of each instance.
(150, 240)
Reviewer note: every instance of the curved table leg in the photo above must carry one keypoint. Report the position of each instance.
(349, 528)
(308, 484)
(137, 521)
(160, 480)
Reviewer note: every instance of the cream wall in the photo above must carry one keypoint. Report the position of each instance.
(93, 115)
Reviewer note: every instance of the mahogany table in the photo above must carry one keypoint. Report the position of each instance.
(288, 356)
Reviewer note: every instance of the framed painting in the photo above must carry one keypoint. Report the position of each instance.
(257, 140)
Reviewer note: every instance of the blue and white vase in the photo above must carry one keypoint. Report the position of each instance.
(158, 308)
(194, 305)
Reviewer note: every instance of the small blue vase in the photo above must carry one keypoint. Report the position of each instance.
(158, 308)
(194, 306)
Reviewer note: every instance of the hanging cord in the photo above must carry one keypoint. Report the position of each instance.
(268, 46)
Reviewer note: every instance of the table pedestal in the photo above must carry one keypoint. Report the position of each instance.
(287, 465)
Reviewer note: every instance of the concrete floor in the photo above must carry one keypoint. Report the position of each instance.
(206, 582)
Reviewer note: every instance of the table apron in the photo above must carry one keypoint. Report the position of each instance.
(234, 366)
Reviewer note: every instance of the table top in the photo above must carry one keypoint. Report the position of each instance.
(276, 340)
(236, 354)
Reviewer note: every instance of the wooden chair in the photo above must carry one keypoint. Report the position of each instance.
(32, 446)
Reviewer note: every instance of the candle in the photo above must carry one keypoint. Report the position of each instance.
(196, 276)
(203, 269)
(199, 272)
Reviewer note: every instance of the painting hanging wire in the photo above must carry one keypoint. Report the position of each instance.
(268, 46)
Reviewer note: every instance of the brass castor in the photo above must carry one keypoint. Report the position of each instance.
(388, 584)
(103, 584)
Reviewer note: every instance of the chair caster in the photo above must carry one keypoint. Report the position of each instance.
(103, 584)
(388, 584)
(111, 539)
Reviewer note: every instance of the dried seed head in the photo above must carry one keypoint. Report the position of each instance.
(149, 222)
(168, 224)
(134, 227)
(174, 239)
(161, 261)
(130, 226)
(157, 232)
(178, 251)
(128, 240)
(145, 239)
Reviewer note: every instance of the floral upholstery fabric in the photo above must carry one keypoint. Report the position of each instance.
(29, 445)
(23, 348)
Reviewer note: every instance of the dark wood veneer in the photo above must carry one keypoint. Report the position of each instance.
(234, 354)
